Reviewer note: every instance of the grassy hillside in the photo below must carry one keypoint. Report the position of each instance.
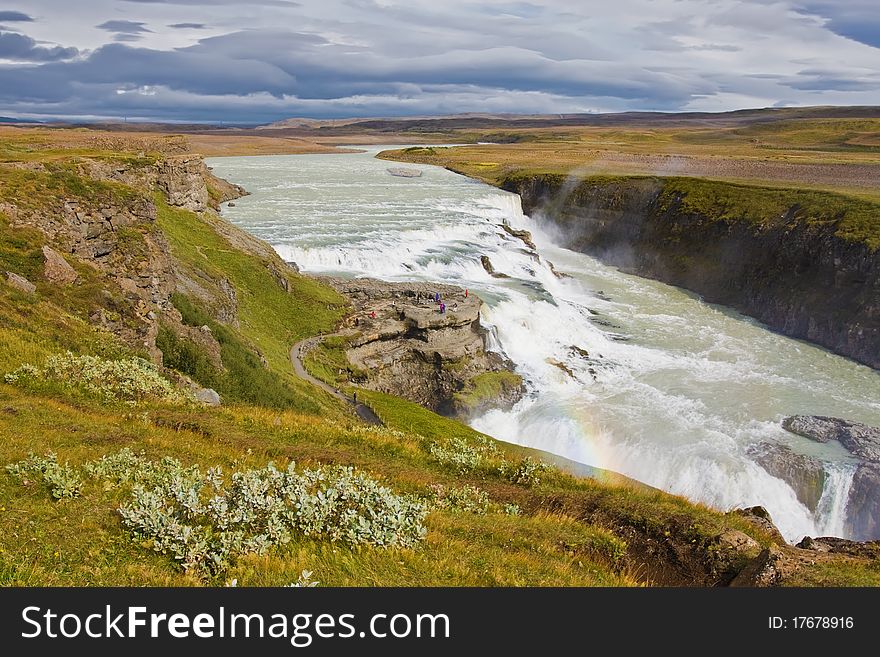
(454, 507)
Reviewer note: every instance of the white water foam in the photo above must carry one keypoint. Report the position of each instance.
(672, 392)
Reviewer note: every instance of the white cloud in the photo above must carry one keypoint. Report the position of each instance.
(269, 58)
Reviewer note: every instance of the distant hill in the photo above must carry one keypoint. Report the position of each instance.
(482, 121)
(9, 119)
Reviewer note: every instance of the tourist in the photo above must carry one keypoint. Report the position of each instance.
(442, 308)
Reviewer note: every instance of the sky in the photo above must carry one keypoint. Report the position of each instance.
(256, 62)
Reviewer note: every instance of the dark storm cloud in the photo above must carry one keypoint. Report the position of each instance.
(15, 17)
(19, 47)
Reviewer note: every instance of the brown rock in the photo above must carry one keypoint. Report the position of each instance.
(834, 545)
(56, 269)
(733, 539)
(398, 341)
(20, 283)
(490, 269)
(767, 569)
(760, 518)
(523, 235)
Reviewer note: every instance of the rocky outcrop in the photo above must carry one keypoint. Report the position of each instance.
(860, 439)
(490, 269)
(770, 568)
(20, 283)
(523, 235)
(113, 228)
(183, 179)
(56, 269)
(863, 441)
(760, 518)
(833, 545)
(863, 507)
(798, 277)
(399, 342)
(804, 474)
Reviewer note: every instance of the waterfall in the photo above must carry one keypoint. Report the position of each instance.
(622, 373)
(831, 510)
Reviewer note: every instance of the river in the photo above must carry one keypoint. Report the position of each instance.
(674, 391)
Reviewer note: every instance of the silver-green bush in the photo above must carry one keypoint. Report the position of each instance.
(464, 456)
(526, 473)
(63, 480)
(205, 520)
(204, 523)
(131, 379)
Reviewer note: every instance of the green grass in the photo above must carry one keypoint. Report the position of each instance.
(855, 220)
(35, 190)
(243, 378)
(572, 531)
(270, 318)
(483, 388)
(842, 572)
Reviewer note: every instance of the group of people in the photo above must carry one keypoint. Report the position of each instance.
(442, 304)
(436, 298)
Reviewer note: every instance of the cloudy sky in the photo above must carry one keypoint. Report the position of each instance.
(259, 61)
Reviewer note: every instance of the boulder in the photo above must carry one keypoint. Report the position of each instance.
(834, 545)
(860, 439)
(768, 569)
(760, 518)
(207, 396)
(487, 265)
(20, 283)
(56, 269)
(733, 539)
(863, 506)
(804, 474)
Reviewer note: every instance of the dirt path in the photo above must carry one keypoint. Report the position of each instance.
(303, 347)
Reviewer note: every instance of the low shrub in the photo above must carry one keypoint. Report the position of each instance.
(465, 456)
(205, 521)
(527, 472)
(62, 480)
(130, 379)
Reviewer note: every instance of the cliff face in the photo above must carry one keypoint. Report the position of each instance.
(399, 342)
(799, 278)
(113, 228)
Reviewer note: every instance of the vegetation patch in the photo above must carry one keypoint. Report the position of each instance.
(854, 219)
(484, 389)
(244, 378)
(131, 380)
(467, 499)
(205, 521)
